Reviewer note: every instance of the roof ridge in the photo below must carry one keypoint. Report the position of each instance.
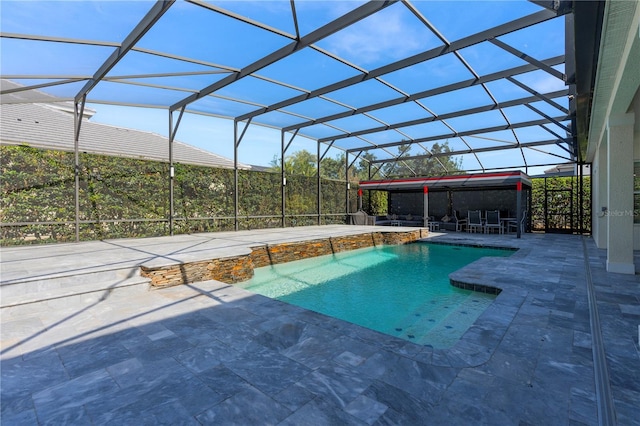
(188, 153)
(149, 132)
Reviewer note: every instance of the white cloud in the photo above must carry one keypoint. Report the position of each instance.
(386, 35)
(547, 84)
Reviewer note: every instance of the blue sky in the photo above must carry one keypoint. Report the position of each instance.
(218, 43)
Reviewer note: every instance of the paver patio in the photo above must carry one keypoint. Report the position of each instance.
(212, 353)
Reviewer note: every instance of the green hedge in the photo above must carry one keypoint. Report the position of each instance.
(125, 197)
(565, 198)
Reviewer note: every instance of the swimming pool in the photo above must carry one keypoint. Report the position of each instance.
(399, 290)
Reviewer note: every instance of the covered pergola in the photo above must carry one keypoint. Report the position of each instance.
(416, 191)
(495, 94)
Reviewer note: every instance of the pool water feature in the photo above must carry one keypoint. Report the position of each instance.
(401, 290)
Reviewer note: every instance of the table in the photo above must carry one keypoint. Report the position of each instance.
(505, 222)
(434, 226)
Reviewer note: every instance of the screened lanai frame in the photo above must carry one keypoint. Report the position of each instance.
(355, 129)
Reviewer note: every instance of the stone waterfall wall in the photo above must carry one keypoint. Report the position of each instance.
(240, 268)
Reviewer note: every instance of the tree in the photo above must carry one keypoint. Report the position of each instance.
(299, 163)
(333, 168)
(435, 165)
(363, 165)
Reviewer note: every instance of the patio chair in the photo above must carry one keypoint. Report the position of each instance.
(460, 223)
(493, 222)
(512, 225)
(474, 222)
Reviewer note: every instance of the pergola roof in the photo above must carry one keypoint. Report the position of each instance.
(465, 181)
(360, 77)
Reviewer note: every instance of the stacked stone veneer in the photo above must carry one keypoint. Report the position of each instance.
(240, 268)
(228, 270)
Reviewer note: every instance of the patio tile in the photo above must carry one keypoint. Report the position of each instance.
(366, 409)
(403, 408)
(161, 413)
(522, 340)
(561, 376)
(25, 417)
(250, 406)
(460, 410)
(19, 328)
(71, 416)
(16, 405)
(43, 371)
(70, 396)
(294, 397)
(423, 381)
(626, 405)
(335, 383)
(208, 352)
(583, 407)
(349, 359)
(205, 356)
(267, 370)
(517, 368)
(141, 374)
(582, 339)
(223, 381)
(467, 353)
(97, 354)
(147, 349)
(321, 412)
(377, 365)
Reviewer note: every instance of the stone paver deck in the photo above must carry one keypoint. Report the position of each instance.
(212, 353)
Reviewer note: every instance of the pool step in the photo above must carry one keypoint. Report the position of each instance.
(448, 331)
(433, 322)
(423, 318)
(94, 281)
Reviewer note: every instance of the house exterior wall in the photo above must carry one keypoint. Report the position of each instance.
(636, 159)
(620, 193)
(599, 197)
(614, 131)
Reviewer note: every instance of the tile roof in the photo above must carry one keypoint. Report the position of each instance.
(50, 126)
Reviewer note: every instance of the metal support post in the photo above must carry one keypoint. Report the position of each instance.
(369, 191)
(283, 180)
(171, 171)
(236, 199)
(319, 199)
(346, 179)
(581, 197)
(518, 209)
(425, 206)
(236, 173)
(172, 135)
(77, 123)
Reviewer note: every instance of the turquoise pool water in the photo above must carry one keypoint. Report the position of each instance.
(400, 290)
